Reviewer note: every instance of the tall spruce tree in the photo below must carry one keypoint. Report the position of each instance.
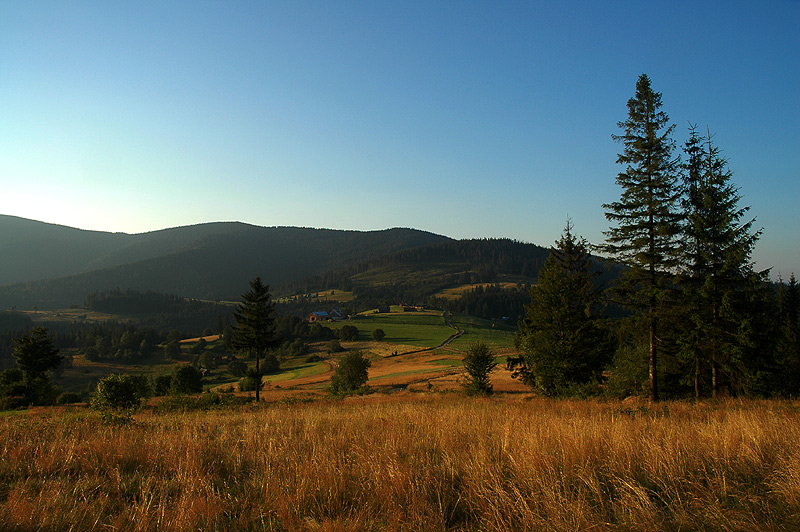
(718, 268)
(255, 327)
(560, 342)
(647, 216)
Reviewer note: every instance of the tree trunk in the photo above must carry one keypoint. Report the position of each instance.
(653, 357)
(696, 375)
(258, 378)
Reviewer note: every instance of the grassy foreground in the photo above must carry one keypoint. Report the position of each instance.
(439, 463)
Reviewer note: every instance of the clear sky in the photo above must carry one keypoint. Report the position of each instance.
(467, 119)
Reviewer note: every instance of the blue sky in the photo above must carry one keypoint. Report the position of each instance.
(467, 119)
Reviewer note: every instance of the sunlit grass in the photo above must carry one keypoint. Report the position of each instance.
(441, 463)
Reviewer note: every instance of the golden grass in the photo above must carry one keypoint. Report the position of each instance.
(438, 463)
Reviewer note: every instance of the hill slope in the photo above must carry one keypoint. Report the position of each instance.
(53, 266)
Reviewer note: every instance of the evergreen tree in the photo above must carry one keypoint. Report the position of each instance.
(255, 326)
(560, 342)
(35, 356)
(647, 216)
(718, 268)
(479, 363)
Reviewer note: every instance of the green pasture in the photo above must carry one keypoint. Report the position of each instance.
(422, 328)
(495, 335)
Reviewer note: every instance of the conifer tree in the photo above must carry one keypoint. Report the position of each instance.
(718, 268)
(255, 326)
(647, 216)
(560, 342)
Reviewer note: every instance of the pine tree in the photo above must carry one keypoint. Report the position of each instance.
(647, 216)
(255, 326)
(479, 362)
(718, 268)
(35, 356)
(560, 342)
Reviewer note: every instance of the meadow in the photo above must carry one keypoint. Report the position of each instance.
(408, 461)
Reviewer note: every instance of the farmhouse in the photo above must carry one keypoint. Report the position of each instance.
(334, 315)
(319, 316)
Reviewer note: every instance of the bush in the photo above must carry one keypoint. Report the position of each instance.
(186, 379)
(378, 335)
(334, 346)
(205, 401)
(162, 385)
(250, 380)
(118, 397)
(351, 374)
(68, 398)
(348, 333)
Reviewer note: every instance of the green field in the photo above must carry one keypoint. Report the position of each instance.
(423, 329)
(495, 335)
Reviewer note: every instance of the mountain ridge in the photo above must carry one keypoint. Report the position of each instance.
(49, 265)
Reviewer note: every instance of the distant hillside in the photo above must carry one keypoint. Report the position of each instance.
(416, 274)
(52, 266)
(422, 274)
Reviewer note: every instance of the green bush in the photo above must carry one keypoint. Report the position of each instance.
(186, 380)
(250, 380)
(68, 398)
(162, 384)
(348, 333)
(118, 397)
(334, 346)
(351, 374)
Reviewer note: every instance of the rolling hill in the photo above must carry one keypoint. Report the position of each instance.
(50, 266)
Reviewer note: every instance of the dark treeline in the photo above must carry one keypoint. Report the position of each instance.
(412, 275)
(489, 302)
(162, 311)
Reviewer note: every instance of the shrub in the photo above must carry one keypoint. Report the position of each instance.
(186, 379)
(348, 333)
(68, 398)
(378, 335)
(118, 397)
(351, 374)
(161, 385)
(334, 346)
(250, 380)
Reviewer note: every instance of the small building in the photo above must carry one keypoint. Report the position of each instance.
(319, 316)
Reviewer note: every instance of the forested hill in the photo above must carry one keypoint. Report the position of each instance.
(422, 274)
(208, 261)
(418, 273)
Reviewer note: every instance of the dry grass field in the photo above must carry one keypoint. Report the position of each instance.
(408, 461)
